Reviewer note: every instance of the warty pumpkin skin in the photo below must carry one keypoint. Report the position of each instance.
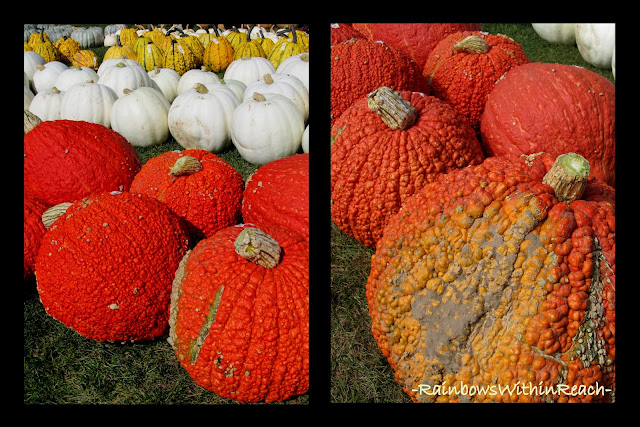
(105, 266)
(464, 67)
(241, 329)
(554, 108)
(208, 196)
(361, 66)
(374, 169)
(65, 160)
(413, 39)
(484, 278)
(33, 232)
(278, 194)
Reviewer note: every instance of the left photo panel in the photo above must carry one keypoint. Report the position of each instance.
(166, 213)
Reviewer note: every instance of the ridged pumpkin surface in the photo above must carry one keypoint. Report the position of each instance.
(105, 267)
(240, 329)
(361, 66)
(278, 194)
(484, 279)
(375, 169)
(554, 108)
(209, 199)
(65, 160)
(463, 78)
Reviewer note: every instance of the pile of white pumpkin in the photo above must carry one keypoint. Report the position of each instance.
(198, 108)
(596, 42)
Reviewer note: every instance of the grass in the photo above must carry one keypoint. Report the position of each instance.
(359, 372)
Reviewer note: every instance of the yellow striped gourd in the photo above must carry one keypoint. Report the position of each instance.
(150, 56)
(179, 58)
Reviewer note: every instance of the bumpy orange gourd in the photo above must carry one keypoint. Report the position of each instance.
(360, 66)
(464, 67)
(278, 194)
(197, 185)
(485, 279)
(240, 314)
(375, 168)
(105, 266)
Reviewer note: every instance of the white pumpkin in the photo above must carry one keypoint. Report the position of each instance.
(197, 75)
(90, 102)
(45, 76)
(613, 62)
(28, 97)
(31, 62)
(264, 130)
(122, 76)
(296, 65)
(248, 69)
(141, 117)
(46, 104)
(595, 43)
(111, 62)
(110, 40)
(281, 84)
(236, 86)
(201, 117)
(305, 140)
(74, 75)
(557, 33)
(166, 80)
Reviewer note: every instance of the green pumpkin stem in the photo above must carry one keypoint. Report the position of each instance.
(568, 177)
(258, 247)
(392, 108)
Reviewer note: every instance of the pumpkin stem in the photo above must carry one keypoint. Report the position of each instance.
(186, 165)
(568, 177)
(30, 121)
(200, 88)
(304, 57)
(259, 97)
(472, 44)
(268, 79)
(53, 213)
(392, 108)
(258, 247)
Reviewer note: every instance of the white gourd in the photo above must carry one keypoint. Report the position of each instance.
(248, 69)
(46, 104)
(200, 118)
(90, 102)
(123, 76)
(45, 76)
(167, 80)
(281, 84)
(595, 43)
(141, 117)
(264, 130)
(74, 75)
(557, 33)
(199, 75)
(305, 140)
(296, 65)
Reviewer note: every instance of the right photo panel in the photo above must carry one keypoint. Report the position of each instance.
(473, 212)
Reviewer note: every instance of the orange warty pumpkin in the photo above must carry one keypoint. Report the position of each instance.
(240, 314)
(501, 275)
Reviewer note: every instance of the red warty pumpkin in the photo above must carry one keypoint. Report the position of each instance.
(240, 314)
(501, 275)
(360, 66)
(464, 67)
(33, 232)
(278, 194)
(106, 265)
(377, 165)
(414, 40)
(197, 185)
(554, 108)
(65, 160)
